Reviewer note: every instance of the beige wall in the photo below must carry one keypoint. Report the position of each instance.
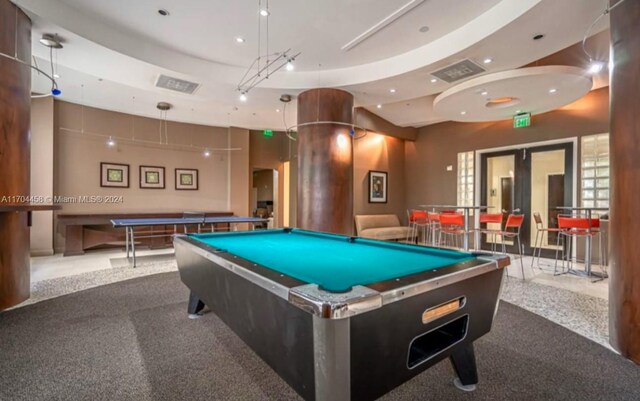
(437, 146)
(543, 164)
(77, 158)
(42, 126)
(239, 172)
(380, 153)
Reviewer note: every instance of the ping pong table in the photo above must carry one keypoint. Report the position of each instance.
(188, 220)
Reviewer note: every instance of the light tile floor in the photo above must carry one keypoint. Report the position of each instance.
(574, 302)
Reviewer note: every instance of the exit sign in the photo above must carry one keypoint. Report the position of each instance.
(267, 132)
(522, 120)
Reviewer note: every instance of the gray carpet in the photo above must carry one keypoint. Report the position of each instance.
(132, 341)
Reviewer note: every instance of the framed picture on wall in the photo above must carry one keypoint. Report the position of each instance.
(114, 175)
(186, 179)
(377, 187)
(151, 177)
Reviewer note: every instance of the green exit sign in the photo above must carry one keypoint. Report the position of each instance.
(522, 120)
(267, 132)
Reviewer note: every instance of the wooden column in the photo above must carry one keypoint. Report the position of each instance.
(15, 109)
(325, 161)
(624, 286)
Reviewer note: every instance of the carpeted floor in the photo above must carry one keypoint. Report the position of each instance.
(132, 341)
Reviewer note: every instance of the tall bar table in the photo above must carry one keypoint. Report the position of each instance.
(588, 211)
(465, 210)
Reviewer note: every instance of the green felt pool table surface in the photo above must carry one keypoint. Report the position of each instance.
(334, 262)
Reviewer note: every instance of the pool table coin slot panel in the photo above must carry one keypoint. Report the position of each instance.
(434, 342)
(446, 308)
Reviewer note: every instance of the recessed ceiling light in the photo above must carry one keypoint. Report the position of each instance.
(433, 80)
(596, 66)
(392, 90)
(553, 90)
(264, 12)
(487, 60)
(538, 36)
(379, 106)
(484, 93)
(206, 153)
(163, 12)
(277, 110)
(239, 39)
(424, 29)
(100, 79)
(463, 112)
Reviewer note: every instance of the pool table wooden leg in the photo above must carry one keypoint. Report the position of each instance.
(464, 364)
(195, 306)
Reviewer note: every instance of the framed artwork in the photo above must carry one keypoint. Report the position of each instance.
(114, 175)
(151, 177)
(377, 187)
(186, 179)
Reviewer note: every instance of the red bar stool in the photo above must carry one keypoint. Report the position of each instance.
(417, 221)
(452, 226)
(540, 232)
(576, 227)
(512, 231)
(490, 218)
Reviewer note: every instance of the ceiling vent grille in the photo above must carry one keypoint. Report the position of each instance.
(176, 84)
(460, 70)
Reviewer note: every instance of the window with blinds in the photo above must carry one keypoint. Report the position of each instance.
(595, 170)
(465, 178)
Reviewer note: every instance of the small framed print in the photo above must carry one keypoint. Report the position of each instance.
(151, 177)
(377, 187)
(114, 175)
(186, 179)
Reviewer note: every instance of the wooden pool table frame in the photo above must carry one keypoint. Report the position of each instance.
(342, 346)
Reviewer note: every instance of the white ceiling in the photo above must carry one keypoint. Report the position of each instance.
(127, 44)
(533, 90)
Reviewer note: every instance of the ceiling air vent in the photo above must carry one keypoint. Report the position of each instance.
(458, 71)
(176, 84)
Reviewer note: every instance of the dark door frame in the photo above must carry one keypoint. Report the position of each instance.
(522, 186)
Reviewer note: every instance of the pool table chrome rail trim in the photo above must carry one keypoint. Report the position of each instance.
(331, 305)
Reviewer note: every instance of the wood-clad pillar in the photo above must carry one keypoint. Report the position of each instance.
(15, 109)
(624, 286)
(325, 161)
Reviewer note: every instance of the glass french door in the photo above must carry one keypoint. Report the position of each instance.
(527, 180)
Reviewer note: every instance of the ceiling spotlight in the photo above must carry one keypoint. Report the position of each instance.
(277, 110)
(56, 76)
(264, 12)
(379, 106)
(290, 66)
(163, 12)
(424, 29)
(392, 90)
(463, 112)
(206, 153)
(110, 142)
(243, 97)
(164, 106)
(553, 90)
(51, 40)
(487, 60)
(433, 80)
(596, 66)
(240, 40)
(484, 93)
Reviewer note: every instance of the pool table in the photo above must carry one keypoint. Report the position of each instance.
(339, 317)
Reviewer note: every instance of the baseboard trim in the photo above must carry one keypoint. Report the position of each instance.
(42, 252)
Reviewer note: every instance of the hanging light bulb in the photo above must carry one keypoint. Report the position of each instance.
(290, 65)
(243, 97)
(110, 142)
